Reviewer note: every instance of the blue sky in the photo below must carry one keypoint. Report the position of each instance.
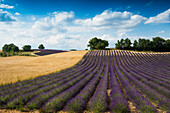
(66, 24)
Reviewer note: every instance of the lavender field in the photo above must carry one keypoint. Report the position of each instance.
(103, 81)
(44, 52)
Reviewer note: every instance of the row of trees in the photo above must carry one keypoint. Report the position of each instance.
(157, 44)
(11, 49)
(14, 48)
(28, 47)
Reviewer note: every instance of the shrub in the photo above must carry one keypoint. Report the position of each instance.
(26, 47)
(73, 50)
(41, 46)
(10, 47)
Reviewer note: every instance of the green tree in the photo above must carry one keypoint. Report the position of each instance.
(158, 44)
(41, 46)
(10, 48)
(135, 45)
(73, 49)
(26, 47)
(123, 44)
(127, 44)
(96, 43)
(144, 45)
(5, 48)
(167, 45)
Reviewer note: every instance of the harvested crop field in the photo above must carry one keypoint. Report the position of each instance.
(104, 81)
(16, 68)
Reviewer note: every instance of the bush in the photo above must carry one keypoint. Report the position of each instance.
(41, 46)
(26, 47)
(73, 50)
(10, 48)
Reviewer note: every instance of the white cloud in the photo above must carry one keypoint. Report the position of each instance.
(161, 32)
(17, 14)
(109, 37)
(121, 33)
(57, 21)
(45, 30)
(6, 16)
(112, 20)
(160, 18)
(6, 6)
(65, 41)
(59, 30)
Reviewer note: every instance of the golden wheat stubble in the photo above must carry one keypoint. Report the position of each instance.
(17, 68)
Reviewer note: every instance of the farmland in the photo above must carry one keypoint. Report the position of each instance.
(43, 52)
(17, 68)
(103, 81)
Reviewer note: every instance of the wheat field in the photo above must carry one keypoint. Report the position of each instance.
(17, 68)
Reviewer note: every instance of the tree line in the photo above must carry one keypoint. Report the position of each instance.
(11, 49)
(157, 44)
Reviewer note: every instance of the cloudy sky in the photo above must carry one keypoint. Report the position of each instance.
(67, 24)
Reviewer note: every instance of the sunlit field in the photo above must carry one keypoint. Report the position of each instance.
(18, 68)
(103, 81)
(84, 56)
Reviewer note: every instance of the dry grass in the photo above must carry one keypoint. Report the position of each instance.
(17, 68)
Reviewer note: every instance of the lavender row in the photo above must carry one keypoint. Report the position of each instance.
(142, 104)
(128, 60)
(79, 103)
(155, 71)
(24, 98)
(149, 92)
(13, 94)
(154, 86)
(58, 102)
(143, 69)
(146, 60)
(46, 77)
(118, 102)
(42, 83)
(157, 58)
(148, 78)
(153, 64)
(4, 99)
(148, 67)
(146, 74)
(156, 67)
(37, 101)
(99, 101)
(34, 90)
